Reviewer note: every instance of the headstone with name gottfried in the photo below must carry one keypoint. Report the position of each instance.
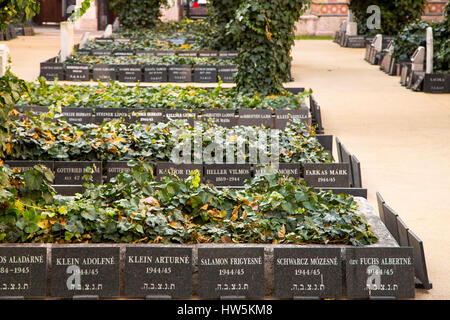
(227, 174)
(85, 271)
(327, 174)
(23, 271)
(161, 271)
(307, 272)
(113, 168)
(237, 272)
(380, 272)
(72, 172)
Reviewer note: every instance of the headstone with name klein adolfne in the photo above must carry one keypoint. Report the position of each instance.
(155, 73)
(85, 271)
(204, 73)
(104, 72)
(327, 174)
(283, 117)
(23, 271)
(179, 73)
(72, 172)
(258, 117)
(161, 271)
(77, 115)
(130, 73)
(231, 272)
(227, 174)
(148, 115)
(108, 114)
(380, 272)
(307, 272)
(182, 170)
(223, 117)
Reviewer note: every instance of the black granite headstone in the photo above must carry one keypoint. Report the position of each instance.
(84, 52)
(380, 272)
(283, 117)
(307, 272)
(237, 272)
(356, 42)
(187, 53)
(228, 54)
(326, 140)
(327, 174)
(104, 72)
(436, 83)
(180, 73)
(113, 168)
(101, 53)
(250, 117)
(77, 72)
(77, 115)
(130, 73)
(161, 271)
(420, 265)
(145, 52)
(402, 233)
(208, 54)
(52, 70)
(24, 165)
(182, 171)
(123, 53)
(286, 169)
(181, 114)
(108, 114)
(149, 115)
(227, 174)
(85, 271)
(390, 220)
(380, 202)
(163, 53)
(104, 40)
(23, 271)
(205, 73)
(33, 110)
(227, 73)
(72, 172)
(155, 73)
(122, 40)
(223, 117)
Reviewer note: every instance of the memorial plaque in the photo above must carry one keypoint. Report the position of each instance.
(148, 115)
(85, 271)
(227, 174)
(286, 169)
(71, 173)
(104, 40)
(228, 54)
(436, 83)
(180, 73)
(380, 272)
(356, 42)
(163, 53)
(104, 72)
(145, 52)
(283, 117)
(404, 75)
(307, 272)
(155, 73)
(84, 52)
(158, 271)
(113, 168)
(223, 117)
(33, 110)
(52, 70)
(101, 52)
(227, 73)
(23, 271)
(182, 171)
(77, 72)
(122, 40)
(77, 115)
(250, 117)
(181, 114)
(327, 174)
(326, 140)
(108, 114)
(205, 73)
(130, 73)
(24, 165)
(187, 53)
(123, 53)
(237, 272)
(208, 54)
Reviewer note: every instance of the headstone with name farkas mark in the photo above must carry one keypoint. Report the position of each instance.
(327, 174)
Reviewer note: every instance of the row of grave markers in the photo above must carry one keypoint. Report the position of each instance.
(158, 271)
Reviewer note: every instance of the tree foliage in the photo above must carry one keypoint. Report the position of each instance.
(12, 10)
(138, 14)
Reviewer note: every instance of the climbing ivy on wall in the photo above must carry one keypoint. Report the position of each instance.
(136, 14)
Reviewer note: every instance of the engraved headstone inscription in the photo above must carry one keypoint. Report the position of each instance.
(150, 115)
(101, 52)
(380, 272)
(52, 70)
(181, 114)
(228, 54)
(187, 53)
(113, 168)
(286, 169)
(162, 53)
(283, 117)
(205, 73)
(222, 117)
(307, 272)
(250, 117)
(104, 72)
(180, 73)
(77, 115)
(161, 271)
(155, 73)
(327, 174)
(23, 271)
(108, 114)
(85, 271)
(227, 73)
(72, 172)
(235, 272)
(24, 165)
(208, 54)
(436, 83)
(227, 174)
(182, 171)
(77, 72)
(130, 73)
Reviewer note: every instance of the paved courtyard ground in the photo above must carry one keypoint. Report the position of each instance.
(401, 137)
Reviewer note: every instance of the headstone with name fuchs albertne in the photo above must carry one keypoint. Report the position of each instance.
(149, 115)
(158, 271)
(327, 174)
(231, 272)
(208, 54)
(380, 272)
(223, 117)
(104, 72)
(286, 169)
(108, 114)
(77, 115)
(72, 172)
(187, 53)
(205, 73)
(52, 70)
(180, 73)
(113, 168)
(258, 117)
(85, 271)
(77, 72)
(23, 271)
(283, 117)
(182, 171)
(24, 165)
(436, 83)
(227, 174)
(181, 114)
(102, 52)
(307, 272)
(228, 54)
(155, 73)
(226, 73)
(130, 73)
